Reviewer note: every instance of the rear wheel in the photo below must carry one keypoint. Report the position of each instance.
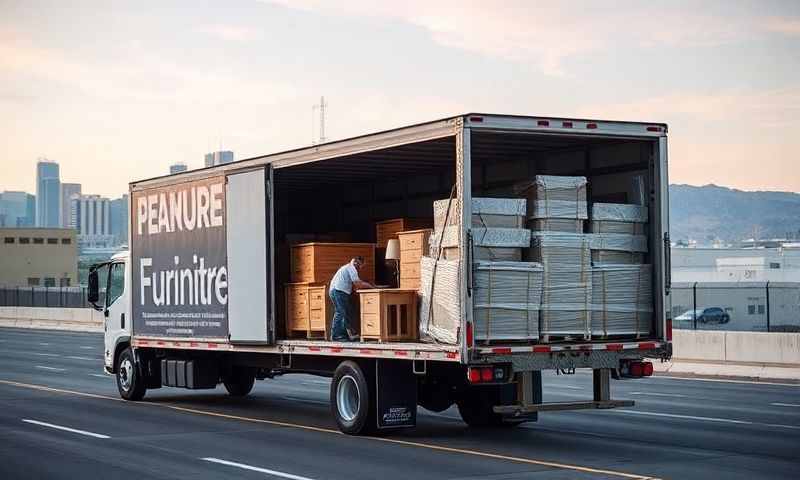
(352, 399)
(239, 382)
(130, 383)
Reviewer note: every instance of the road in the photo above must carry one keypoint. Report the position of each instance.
(61, 417)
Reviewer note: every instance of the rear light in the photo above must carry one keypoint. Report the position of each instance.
(470, 336)
(654, 128)
(591, 126)
(669, 329)
(543, 123)
(487, 374)
(636, 369)
(476, 119)
(647, 369)
(499, 374)
(566, 124)
(474, 375)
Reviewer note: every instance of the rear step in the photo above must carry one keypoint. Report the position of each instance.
(517, 410)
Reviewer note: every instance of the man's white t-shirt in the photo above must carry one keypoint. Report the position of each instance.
(344, 278)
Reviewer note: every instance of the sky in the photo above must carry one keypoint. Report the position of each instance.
(117, 91)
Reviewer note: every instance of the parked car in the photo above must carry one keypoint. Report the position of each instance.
(705, 315)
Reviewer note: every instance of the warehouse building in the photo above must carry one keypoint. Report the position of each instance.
(46, 257)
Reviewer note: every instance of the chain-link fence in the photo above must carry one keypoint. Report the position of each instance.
(740, 306)
(69, 297)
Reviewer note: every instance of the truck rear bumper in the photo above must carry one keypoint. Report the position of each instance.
(522, 410)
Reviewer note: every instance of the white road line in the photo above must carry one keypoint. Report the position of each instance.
(86, 347)
(45, 354)
(778, 404)
(274, 473)
(82, 358)
(706, 419)
(44, 344)
(721, 380)
(66, 429)
(304, 400)
(654, 394)
(51, 368)
(571, 387)
(100, 375)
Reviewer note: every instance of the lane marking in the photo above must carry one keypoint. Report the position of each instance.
(100, 375)
(305, 400)
(723, 380)
(66, 429)
(73, 357)
(706, 419)
(571, 387)
(778, 404)
(274, 473)
(86, 347)
(429, 446)
(654, 394)
(45, 354)
(52, 369)
(44, 344)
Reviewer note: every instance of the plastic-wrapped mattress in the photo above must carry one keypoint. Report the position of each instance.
(622, 300)
(551, 196)
(440, 301)
(618, 218)
(506, 300)
(486, 212)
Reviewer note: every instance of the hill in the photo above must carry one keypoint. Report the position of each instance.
(703, 213)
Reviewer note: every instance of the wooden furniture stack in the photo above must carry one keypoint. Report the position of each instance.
(309, 311)
(388, 229)
(413, 246)
(388, 315)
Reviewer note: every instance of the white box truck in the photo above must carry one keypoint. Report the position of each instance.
(192, 304)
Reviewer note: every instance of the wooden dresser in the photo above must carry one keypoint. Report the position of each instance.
(309, 310)
(318, 262)
(388, 229)
(413, 246)
(388, 315)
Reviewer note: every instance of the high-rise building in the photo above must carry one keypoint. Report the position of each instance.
(91, 217)
(67, 191)
(119, 219)
(17, 209)
(218, 158)
(48, 194)
(177, 168)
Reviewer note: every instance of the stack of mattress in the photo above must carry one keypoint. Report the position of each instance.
(618, 218)
(440, 301)
(567, 288)
(622, 300)
(556, 203)
(506, 300)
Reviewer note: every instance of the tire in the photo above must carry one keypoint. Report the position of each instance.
(352, 400)
(130, 383)
(475, 407)
(240, 382)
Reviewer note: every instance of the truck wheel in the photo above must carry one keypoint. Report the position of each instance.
(240, 382)
(352, 400)
(475, 407)
(129, 382)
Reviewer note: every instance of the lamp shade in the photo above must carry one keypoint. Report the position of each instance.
(393, 249)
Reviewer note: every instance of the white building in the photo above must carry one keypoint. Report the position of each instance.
(218, 158)
(91, 216)
(781, 264)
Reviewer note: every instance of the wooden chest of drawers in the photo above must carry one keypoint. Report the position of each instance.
(388, 315)
(413, 246)
(318, 262)
(309, 310)
(388, 229)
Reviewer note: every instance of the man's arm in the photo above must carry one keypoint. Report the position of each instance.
(361, 284)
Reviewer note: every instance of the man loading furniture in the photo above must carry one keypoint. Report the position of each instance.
(340, 291)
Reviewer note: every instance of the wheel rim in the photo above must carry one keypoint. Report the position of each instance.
(125, 374)
(348, 398)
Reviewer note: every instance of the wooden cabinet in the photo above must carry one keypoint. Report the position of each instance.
(318, 262)
(413, 246)
(388, 315)
(309, 310)
(388, 229)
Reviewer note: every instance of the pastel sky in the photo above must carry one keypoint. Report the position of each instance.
(117, 91)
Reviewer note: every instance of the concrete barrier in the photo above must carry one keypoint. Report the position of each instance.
(74, 319)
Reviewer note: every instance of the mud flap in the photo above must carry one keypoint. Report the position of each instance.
(396, 394)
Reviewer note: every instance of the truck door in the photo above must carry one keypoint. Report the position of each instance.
(117, 319)
(250, 259)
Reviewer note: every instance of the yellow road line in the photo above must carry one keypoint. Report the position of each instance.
(429, 446)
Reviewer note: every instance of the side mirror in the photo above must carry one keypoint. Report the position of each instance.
(93, 293)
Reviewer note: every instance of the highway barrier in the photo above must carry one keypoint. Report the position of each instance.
(74, 319)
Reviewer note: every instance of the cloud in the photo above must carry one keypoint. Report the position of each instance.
(548, 34)
(232, 33)
(783, 25)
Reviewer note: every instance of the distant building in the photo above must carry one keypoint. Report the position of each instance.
(48, 194)
(177, 168)
(67, 191)
(119, 220)
(46, 257)
(218, 158)
(91, 217)
(736, 264)
(17, 209)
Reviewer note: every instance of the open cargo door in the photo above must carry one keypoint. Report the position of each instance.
(250, 262)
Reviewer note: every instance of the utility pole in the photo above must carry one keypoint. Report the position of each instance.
(321, 107)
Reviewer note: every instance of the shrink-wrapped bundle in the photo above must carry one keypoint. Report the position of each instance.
(622, 300)
(565, 225)
(618, 218)
(506, 300)
(440, 300)
(488, 243)
(617, 248)
(566, 290)
(551, 196)
(486, 212)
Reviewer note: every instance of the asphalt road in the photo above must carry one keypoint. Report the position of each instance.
(61, 417)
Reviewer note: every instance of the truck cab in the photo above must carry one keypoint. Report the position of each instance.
(109, 286)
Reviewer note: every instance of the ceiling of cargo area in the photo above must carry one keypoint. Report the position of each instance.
(490, 146)
(411, 159)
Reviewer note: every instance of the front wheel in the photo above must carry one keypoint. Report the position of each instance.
(130, 383)
(352, 399)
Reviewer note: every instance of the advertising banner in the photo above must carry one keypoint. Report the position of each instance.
(179, 260)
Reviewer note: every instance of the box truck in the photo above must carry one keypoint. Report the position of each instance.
(198, 301)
